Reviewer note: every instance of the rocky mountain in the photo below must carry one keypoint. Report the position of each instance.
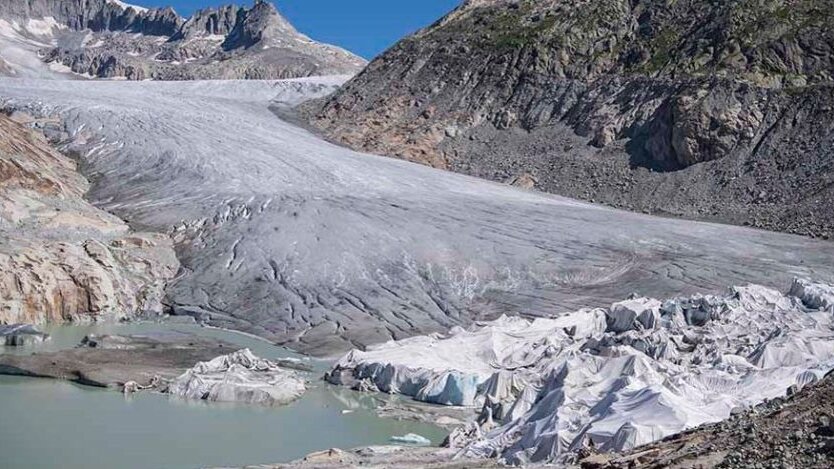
(110, 39)
(61, 259)
(709, 109)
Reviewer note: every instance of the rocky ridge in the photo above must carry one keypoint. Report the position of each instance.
(61, 259)
(707, 109)
(383, 457)
(108, 39)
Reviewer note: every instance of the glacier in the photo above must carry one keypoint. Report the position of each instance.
(611, 378)
(308, 244)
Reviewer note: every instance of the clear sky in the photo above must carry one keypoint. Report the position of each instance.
(365, 27)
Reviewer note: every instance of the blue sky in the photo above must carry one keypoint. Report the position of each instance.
(365, 27)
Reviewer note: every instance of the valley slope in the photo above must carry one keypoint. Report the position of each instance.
(710, 110)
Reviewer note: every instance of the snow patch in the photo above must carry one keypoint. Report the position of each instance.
(124, 5)
(59, 67)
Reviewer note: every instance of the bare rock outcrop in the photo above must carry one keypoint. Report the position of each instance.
(96, 15)
(707, 110)
(61, 259)
(383, 457)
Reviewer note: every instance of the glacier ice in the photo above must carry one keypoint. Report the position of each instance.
(411, 439)
(323, 249)
(16, 335)
(239, 377)
(615, 377)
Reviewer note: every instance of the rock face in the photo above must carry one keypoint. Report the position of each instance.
(108, 39)
(239, 377)
(610, 378)
(325, 250)
(62, 259)
(18, 335)
(719, 111)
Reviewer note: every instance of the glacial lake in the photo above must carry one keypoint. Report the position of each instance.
(48, 423)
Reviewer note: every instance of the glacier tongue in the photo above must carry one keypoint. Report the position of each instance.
(308, 244)
(613, 378)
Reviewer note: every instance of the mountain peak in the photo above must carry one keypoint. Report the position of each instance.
(214, 43)
(260, 23)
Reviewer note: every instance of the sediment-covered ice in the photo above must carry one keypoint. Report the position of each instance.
(323, 249)
(615, 378)
(239, 377)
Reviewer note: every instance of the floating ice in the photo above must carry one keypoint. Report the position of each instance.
(239, 377)
(411, 439)
(16, 335)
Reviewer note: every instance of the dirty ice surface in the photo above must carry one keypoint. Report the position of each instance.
(287, 236)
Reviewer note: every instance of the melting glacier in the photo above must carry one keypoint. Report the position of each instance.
(614, 378)
(306, 243)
